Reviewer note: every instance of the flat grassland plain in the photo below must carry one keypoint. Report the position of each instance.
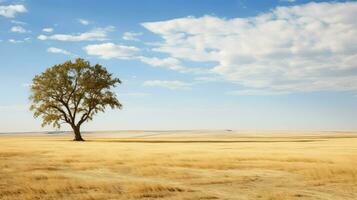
(180, 165)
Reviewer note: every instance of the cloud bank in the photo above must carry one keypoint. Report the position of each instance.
(310, 47)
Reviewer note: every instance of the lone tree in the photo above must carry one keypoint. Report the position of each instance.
(72, 93)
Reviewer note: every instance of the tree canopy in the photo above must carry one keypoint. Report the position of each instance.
(72, 93)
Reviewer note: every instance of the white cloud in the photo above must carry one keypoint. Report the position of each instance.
(18, 29)
(172, 85)
(83, 21)
(110, 50)
(131, 36)
(170, 63)
(58, 51)
(27, 39)
(98, 34)
(310, 47)
(10, 11)
(47, 30)
(255, 92)
(15, 41)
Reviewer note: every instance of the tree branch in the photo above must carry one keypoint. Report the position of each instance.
(63, 112)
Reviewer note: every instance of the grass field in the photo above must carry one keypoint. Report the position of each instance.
(180, 165)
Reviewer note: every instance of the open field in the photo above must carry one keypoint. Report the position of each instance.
(180, 165)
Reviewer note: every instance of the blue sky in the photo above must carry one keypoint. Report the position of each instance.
(283, 64)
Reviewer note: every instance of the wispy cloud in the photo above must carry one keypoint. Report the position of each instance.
(252, 92)
(170, 63)
(83, 21)
(207, 79)
(290, 1)
(18, 29)
(18, 22)
(27, 39)
(111, 50)
(131, 36)
(15, 41)
(10, 11)
(98, 34)
(172, 85)
(47, 30)
(58, 51)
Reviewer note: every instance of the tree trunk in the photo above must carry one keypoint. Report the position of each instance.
(77, 134)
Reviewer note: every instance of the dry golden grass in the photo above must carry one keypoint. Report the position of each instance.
(179, 165)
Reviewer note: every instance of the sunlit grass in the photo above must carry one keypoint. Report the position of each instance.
(167, 167)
